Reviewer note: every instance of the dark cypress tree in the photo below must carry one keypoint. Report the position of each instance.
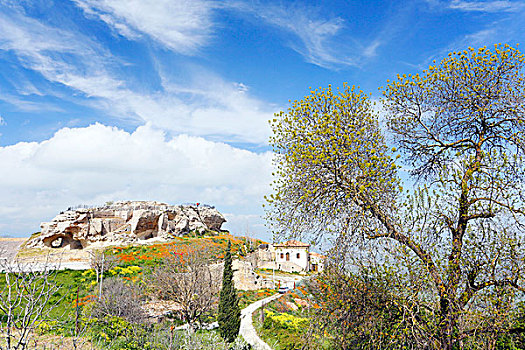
(229, 312)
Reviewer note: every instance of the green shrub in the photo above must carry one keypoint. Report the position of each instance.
(114, 332)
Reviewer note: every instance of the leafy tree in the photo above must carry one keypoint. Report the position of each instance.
(359, 310)
(456, 239)
(229, 312)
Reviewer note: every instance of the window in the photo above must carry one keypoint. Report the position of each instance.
(282, 256)
(287, 256)
(298, 255)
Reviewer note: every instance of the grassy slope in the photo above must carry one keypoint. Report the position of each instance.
(142, 256)
(286, 327)
(150, 255)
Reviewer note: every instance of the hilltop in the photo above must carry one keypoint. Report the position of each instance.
(125, 222)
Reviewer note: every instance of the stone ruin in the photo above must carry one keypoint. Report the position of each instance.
(125, 222)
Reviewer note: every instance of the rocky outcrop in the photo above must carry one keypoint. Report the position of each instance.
(125, 223)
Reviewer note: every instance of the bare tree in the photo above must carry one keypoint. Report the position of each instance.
(100, 262)
(189, 281)
(121, 300)
(26, 301)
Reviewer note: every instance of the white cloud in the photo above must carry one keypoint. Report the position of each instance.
(28, 106)
(34, 41)
(53, 52)
(371, 50)
(316, 35)
(182, 26)
(214, 108)
(98, 163)
(487, 6)
(478, 38)
(185, 26)
(475, 39)
(321, 40)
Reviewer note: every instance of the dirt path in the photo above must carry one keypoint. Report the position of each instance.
(247, 330)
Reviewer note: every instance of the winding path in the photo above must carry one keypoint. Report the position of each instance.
(247, 330)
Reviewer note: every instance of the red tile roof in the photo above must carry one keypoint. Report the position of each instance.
(317, 255)
(292, 243)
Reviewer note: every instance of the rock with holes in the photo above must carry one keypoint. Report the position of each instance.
(125, 223)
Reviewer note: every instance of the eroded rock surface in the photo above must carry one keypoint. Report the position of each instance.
(124, 223)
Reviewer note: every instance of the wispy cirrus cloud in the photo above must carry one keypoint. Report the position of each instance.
(487, 6)
(216, 109)
(180, 25)
(205, 106)
(53, 52)
(324, 40)
(317, 35)
(27, 105)
(475, 39)
(184, 27)
(503, 24)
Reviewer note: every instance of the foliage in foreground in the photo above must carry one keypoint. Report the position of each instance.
(115, 333)
(455, 242)
(31, 301)
(364, 309)
(114, 319)
(286, 320)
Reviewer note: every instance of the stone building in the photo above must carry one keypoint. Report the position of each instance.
(317, 262)
(290, 256)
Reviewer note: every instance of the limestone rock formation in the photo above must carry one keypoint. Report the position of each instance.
(125, 222)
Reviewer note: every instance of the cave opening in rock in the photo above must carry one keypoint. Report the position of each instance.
(64, 241)
(57, 243)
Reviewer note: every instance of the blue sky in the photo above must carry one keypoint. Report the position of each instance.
(169, 100)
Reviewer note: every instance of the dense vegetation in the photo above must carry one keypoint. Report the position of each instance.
(79, 316)
(284, 323)
(442, 261)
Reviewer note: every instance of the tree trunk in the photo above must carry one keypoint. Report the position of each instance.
(448, 325)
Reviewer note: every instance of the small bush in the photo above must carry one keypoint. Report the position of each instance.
(120, 300)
